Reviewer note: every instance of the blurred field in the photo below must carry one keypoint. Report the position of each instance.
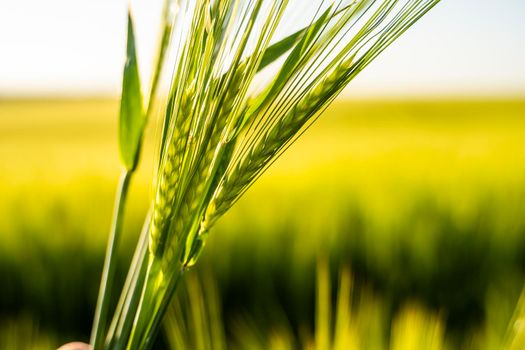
(423, 200)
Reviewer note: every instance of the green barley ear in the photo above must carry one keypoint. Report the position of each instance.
(228, 116)
(309, 80)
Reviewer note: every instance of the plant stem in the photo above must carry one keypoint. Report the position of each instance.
(117, 329)
(125, 325)
(108, 273)
(161, 312)
(157, 293)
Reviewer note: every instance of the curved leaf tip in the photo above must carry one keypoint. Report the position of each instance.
(132, 117)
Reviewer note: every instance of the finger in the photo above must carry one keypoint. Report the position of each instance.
(75, 346)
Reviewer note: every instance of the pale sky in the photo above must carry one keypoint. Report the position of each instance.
(76, 47)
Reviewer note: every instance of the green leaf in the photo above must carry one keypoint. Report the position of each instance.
(273, 52)
(278, 49)
(132, 117)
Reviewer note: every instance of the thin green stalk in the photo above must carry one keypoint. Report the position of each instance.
(155, 325)
(130, 85)
(118, 333)
(125, 323)
(156, 294)
(108, 273)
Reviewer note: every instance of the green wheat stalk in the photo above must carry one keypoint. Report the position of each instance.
(242, 86)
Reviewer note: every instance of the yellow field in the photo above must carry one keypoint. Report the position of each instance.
(365, 144)
(418, 196)
(378, 152)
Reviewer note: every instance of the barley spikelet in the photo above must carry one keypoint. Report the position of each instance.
(169, 177)
(195, 195)
(270, 144)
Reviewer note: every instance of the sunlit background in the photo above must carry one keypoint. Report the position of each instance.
(76, 47)
(414, 180)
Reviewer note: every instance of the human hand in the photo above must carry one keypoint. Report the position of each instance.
(75, 346)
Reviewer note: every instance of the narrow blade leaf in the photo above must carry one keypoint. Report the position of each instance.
(274, 51)
(132, 117)
(278, 49)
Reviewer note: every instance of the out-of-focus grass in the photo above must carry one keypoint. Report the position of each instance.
(424, 200)
(22, 333)
(352, 320)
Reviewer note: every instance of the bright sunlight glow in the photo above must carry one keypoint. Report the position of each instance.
(76, 47)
